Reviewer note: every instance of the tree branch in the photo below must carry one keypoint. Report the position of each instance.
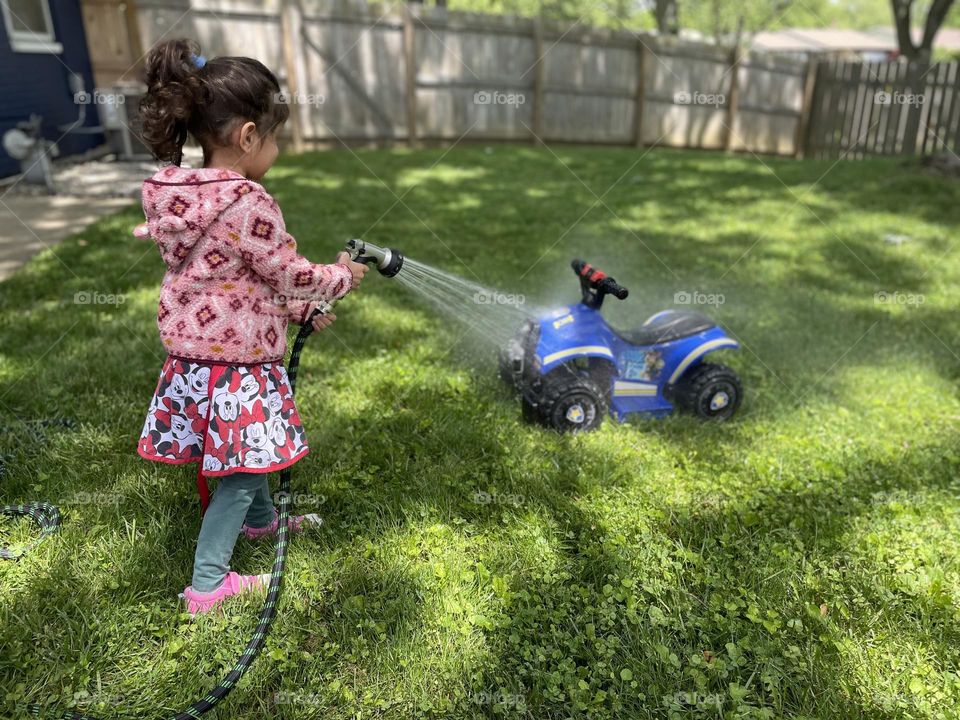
(935, 17)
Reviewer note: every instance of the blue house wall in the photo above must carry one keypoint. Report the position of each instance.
(38, 83)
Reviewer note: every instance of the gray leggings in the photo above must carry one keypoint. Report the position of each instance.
(239, 498)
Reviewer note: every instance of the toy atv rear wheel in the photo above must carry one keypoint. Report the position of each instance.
(709, 391)
(572, 403)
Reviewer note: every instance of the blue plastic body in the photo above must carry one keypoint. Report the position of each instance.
(643, 372)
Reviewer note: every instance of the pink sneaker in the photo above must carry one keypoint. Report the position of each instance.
(298, 523)
(200, 602)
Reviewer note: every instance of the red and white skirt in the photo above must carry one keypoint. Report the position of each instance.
(230, 418)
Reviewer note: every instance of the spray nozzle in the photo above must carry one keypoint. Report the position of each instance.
(389, 261)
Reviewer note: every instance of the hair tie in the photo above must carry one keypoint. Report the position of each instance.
(198, 60)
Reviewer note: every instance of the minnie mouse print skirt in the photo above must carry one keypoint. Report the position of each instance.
(230, 418)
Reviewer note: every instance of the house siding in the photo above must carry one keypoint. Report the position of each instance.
(38, 83)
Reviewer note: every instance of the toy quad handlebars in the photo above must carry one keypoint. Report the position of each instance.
(595, 284)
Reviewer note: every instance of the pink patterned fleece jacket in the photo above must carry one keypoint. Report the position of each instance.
(234, 278)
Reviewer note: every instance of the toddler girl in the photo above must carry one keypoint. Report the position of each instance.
(233, 282)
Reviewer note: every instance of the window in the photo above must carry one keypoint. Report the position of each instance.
(29, 26)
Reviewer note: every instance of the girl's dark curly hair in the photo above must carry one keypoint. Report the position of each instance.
(205, 102)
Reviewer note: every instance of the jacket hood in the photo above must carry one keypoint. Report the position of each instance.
(181, 203)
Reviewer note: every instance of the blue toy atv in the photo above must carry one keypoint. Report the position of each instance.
(571, 368)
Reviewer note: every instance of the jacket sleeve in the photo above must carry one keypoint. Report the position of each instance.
(271, 252)
(298, 310)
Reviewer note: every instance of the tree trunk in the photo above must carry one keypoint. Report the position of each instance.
(935, 17)
(901, 18)
(668, 23)
(717, 23)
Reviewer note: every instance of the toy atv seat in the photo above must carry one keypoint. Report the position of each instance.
(666, 326)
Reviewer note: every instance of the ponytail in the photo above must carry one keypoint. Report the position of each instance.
(189, 95)
(174, 92)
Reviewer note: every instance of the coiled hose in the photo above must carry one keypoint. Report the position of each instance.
(44, 514)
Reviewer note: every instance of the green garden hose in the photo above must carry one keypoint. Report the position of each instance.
(44, 514)
(49, 518)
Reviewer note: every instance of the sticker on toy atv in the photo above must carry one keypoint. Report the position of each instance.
(641, 365)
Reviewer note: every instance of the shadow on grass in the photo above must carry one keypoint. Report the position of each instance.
(836, 277)
(540, 635)
(538, 644)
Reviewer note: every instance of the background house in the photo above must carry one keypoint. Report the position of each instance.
(873, 45)
(42, 44)
(802, 43)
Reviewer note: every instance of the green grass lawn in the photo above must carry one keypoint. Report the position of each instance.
(800, 561)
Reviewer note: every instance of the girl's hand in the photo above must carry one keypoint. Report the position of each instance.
(322, 321)
(358, 269)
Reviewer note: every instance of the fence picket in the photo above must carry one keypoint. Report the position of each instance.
(370, 74)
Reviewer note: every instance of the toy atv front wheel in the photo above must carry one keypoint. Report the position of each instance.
(572, 403)
(710, 391)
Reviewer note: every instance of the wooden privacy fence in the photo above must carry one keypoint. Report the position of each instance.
(890, 108)
(359, 73)
(364, 73)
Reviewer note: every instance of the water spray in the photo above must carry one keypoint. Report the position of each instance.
(491, 315)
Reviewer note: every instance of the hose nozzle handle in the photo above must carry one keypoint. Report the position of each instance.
(388, 261)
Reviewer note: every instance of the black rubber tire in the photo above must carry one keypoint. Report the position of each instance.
(562, 392)
(529, 411)
(699, 391)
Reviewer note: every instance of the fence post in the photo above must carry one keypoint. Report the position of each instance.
(639, 93)
(410, 75)
(538, 75)
(733, 97)
(806, 108)
(290, 23)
